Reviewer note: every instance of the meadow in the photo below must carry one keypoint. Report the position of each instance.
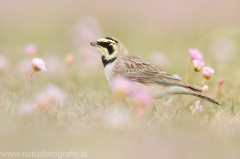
(70, 107)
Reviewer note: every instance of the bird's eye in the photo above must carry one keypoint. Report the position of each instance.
(108, 42)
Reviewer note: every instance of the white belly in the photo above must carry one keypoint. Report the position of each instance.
(159, 91)
(109, 72)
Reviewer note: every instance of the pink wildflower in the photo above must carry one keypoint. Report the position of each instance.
(38, 64)
(207, 72)
(28, 108)
(50, 95)
(122, 85)
(198, 65)
(220, 83)
(125, 87)
(195, 54)
(198, 107)
(69, 59)
(31, 50)
(142, 96)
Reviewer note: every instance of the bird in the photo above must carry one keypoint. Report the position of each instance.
(117, 61)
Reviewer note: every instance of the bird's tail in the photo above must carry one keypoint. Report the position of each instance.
(206, 98)
(203, 97)
(196, 91)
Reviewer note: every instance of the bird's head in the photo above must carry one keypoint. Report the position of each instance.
(109, 47)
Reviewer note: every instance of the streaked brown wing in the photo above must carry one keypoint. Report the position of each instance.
(141, 71)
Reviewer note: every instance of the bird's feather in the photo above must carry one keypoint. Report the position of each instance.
(141, 71)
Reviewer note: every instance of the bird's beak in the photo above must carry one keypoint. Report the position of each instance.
(94, 43)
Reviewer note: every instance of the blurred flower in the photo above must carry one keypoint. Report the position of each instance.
(221, 81)
(3, 62)
(207, 72)
(195, 54)
(198, 65)
(223, 48)
(31, 50)
(116, 116)
(28, 108)
(198, 107)
(159, 59)
(89, 57)
(69, 59)
(50, 95)
(205, 89)
(122, 86)
(87, 30)
(38, 64)
(142, 96)
(178, 77)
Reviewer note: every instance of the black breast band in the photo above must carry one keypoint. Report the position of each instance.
(106, 62)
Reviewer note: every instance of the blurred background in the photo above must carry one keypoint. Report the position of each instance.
(70, 106)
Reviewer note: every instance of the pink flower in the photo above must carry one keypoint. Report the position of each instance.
(27, 108)
(31, 50)
(38, 64)
(50, 95)
(198, 107)
(142, 96)
(198, 65)
(123, 86)
(207, 72)
(221, 81)
(195, 54)
(69, 59)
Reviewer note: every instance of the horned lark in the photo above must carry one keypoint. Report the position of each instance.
(117, 61)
